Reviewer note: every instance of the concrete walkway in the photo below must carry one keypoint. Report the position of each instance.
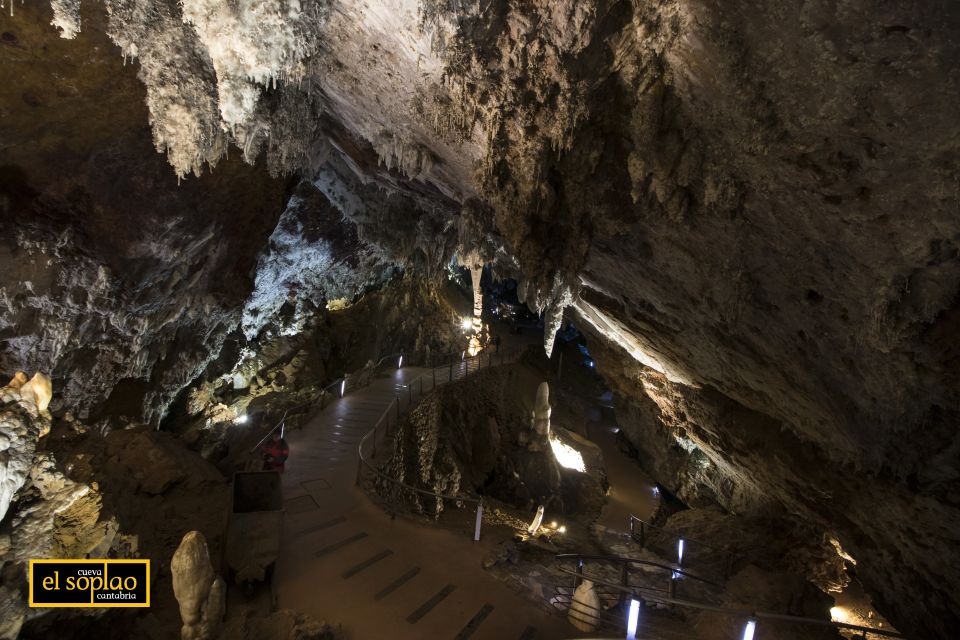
(344, 560)
(632, 491)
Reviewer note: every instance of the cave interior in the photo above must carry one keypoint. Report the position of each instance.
(423, 319)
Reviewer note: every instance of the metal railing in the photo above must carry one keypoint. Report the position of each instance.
(619, 593)
(645, 533)
(346, 384)
(415, 391)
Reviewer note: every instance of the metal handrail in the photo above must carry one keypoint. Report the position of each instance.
(320, 396)
(738, 613)
(277, 426)
(678, 535)
(394, 405)
(641, 540)
(625, 560)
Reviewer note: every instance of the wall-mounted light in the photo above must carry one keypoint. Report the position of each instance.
(400, 363)
(633, 617)
(343, 387)
(680, 551)
(241, 419)
(567, 456)
(749, 628)
(467, 324)
(562, 529)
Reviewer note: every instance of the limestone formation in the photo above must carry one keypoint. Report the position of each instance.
(540, 421)
(20, 430)
(535, 523)
(584, 613)
(749, 208)
(199, 591)
(38, 390)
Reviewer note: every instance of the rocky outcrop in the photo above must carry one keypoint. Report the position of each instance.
(23, 421)
(472, 437)
(116, 280)
(43, 513)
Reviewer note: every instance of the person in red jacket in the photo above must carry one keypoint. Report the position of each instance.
(275, 453)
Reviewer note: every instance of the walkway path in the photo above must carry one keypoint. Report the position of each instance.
(346, 561)
(632, 491)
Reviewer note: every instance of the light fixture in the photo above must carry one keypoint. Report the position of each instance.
(554, 524)
(400, 362)
(839, 614)
(467, 324)
(343, 387)
(562, 529)
(241, 419)
(749, 628)
(633, 617)
(567, 456)
(680, 552)
(656, 491)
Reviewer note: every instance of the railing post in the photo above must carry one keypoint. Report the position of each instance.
(409, 395)
(632, 538)
(577, 579)
(643, 534)
(624, 581)
(398, 408)
(476, 529)
(672, 590)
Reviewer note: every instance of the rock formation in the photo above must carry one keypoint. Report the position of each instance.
(45, 514)
(541, 417)
(752, 211)
(585, 608)
(200, 592)
(20, 429)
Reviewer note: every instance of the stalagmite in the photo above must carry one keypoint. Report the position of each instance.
(200, 592)
(537, 519)
(541, 418)
(541, 422)
(585, 607)
(474, 262)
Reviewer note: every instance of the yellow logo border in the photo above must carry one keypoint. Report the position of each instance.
(104, 561)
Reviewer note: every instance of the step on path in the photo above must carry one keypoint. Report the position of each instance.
(346, 561)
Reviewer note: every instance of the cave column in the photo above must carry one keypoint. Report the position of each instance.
(474, 262)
